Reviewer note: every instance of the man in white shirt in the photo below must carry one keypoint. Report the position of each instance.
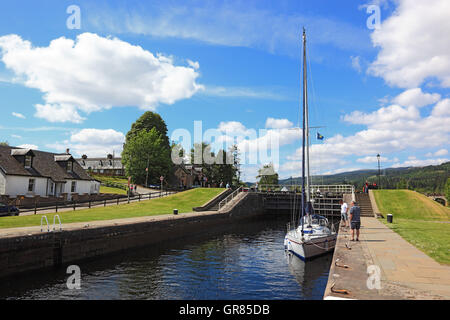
(344, 209)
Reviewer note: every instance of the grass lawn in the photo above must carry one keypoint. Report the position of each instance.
(101, 178)
(419, 220)
(105, 189)
(411, 205)
(183, 201)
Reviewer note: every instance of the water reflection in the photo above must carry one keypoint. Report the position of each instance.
(242, 261)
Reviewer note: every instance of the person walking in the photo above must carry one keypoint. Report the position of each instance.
(355, 220)
(344, 217)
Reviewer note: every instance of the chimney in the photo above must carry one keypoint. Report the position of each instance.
(68, 151)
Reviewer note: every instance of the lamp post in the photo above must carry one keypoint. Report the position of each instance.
(379, 171)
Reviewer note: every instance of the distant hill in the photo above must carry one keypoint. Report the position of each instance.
(428, 180)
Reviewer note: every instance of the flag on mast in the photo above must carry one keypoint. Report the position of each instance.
(319, 136)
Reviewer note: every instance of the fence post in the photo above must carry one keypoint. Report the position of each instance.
(104, 203)
(118, 200)
(74, 204)
(35, 206)
(139, 197)
(56, 205)
(89, 203)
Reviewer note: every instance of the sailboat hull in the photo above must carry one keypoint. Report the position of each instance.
(309, 248)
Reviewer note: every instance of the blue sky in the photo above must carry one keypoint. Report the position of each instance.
(233, 65)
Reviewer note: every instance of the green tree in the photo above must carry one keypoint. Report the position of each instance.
(267, 175)
(146, 149)
(220, 167)
(4, 143)
(447, 191)
(148, 121)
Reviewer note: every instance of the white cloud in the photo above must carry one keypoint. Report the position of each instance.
(356, 63)
(372, 159)
(278, 123)
(18, 115)
(439, 153)
(389, 130)
(442, 109)
(58, 113)
(415, 97)
(242, 92)
(420, 163)
(92, 142)
(28, 146)
(94, 73)
(414, 44)
(386, 114)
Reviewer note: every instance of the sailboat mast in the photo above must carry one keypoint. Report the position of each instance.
(308, 189)
(303, 129)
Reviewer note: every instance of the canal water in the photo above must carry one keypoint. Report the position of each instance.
(245, 261)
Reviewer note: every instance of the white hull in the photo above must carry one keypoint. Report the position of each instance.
(309, 247)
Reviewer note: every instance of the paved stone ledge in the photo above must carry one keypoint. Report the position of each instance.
(406, 272)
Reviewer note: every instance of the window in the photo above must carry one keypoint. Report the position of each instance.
(74, 187)
(31, 184)
(69, 166)
(28, 161)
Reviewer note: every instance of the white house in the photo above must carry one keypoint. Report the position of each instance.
(26, 172)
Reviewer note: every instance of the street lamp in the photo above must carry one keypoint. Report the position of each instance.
(379, 171)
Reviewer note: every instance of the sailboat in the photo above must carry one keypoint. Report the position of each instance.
(311, 236)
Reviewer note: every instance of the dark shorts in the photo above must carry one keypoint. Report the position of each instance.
(356, 225)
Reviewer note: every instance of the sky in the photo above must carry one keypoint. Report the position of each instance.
(77, 74)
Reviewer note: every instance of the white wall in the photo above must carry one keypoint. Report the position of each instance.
(2, 183)
(82, 187)
(17, 185)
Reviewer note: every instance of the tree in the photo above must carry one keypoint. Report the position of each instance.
(4, 143)
(148, 121)
(267, 175)
(216, 168)
(447, 191)
(146, 149)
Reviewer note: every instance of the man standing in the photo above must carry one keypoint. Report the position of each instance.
(355, 220)
(344, 209)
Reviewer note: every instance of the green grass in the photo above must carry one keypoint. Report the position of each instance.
(419, 220)
(113, 179)
(183, 201)
(105, 189)
(410, 205)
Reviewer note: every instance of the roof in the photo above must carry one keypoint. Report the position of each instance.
(101, 163)
(45, 165)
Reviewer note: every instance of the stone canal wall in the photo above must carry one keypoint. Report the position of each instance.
(30, 249)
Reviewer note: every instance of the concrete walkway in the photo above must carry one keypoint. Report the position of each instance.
(406, 272)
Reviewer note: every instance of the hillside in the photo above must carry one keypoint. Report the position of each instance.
(407, 204)
(429, 179)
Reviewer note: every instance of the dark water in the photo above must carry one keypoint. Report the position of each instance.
(245, 261)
